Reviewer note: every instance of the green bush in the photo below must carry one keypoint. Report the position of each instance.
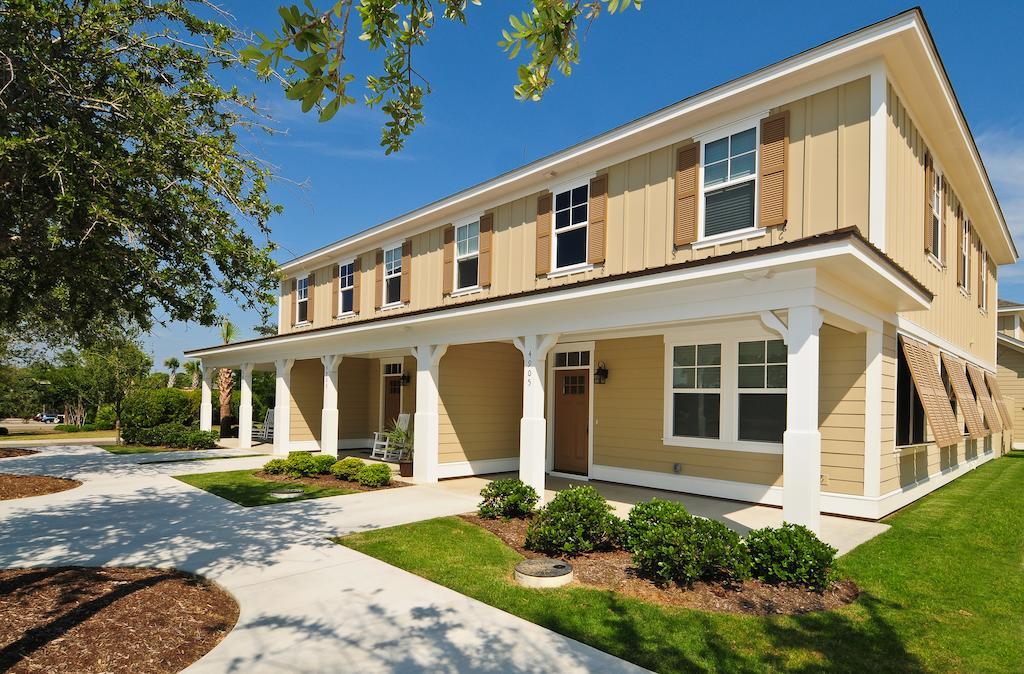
(510, 498)
(105, 417)
(148, 408)
(300, 464)
(689, 550)
(175, 435)
(66, 428)
(347, 469)
(374, 475)
(197, 439)
(276, 466)
(793, 555)
(577, 520)
(323, 463)
(647, 515)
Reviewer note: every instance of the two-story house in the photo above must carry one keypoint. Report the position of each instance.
(780, 290)
(1010, 357)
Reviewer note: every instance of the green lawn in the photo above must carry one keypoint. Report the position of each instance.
(242, 487)
(943, 590)
(138, 449)
(199, 458)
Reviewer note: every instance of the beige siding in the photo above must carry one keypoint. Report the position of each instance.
(354, 400)
(841, 410)
(827, 189)
(1007, 325)
(481, 402)
(953, 316)
(889, 465)
(1011, 382)
(307, 401)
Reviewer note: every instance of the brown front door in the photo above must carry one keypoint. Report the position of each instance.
(392, 400)
(572, 420)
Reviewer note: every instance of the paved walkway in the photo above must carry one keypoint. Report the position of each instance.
(307, 605)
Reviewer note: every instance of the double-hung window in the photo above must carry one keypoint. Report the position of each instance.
(982, 276)
(302, 300)
(697, 390)
(965, 254)
(467, 255)
(393, 275)
(730, 183)
(936, 204)
(570, 226)
(761, 380)
(346, 287)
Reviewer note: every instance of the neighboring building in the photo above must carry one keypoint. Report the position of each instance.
(767, 292)
(1010, 357)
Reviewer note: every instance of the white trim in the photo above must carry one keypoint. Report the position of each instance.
(468, 290)
(568, 476)
(724, 132)
(912, 329)
(873, 358)
(724, 445)
(392, 305)
(568, 186)
(691, 484)
(303, 446)
(481, 467)
(456, 259)
(572, 269)
(730, 237)
(877, 155)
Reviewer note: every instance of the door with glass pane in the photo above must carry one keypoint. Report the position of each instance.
(572, 420)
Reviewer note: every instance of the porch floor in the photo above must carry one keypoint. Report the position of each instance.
(843, 533)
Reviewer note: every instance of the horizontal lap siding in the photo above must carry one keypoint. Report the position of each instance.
(307, 388)
(353, 398)
(841, 409)
(480, 388)
(1011, 382)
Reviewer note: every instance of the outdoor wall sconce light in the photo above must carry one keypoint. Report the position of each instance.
(601, 373)
(406, 379)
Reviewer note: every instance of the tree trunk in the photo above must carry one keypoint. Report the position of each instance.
(225, 383)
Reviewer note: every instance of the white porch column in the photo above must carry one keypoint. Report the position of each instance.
(533, 428)
(283, 405)
(245, 408)
(801, 458)
(424, 439)
(329, 415)
(206, 401)
(873, 414)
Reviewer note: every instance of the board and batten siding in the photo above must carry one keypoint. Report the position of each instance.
(480, 389)
(954, 315)
(1011, 381)
(827, 189)
(1007, 325)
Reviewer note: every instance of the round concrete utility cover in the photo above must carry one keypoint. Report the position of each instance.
(543, 572)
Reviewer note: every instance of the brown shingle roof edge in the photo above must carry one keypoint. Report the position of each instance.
(851, 233)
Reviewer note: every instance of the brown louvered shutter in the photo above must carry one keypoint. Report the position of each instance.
(379, 280)
(484, 261)
(979, 288)
(685, 228)
(335, 290)
(946, 202)
(448, 268)
(960, 271)
(774, 154)
(295, 301)
(544, 233)
(406, 270)
(997, 396)
(357, 269)
(310, 286)
(964, 397)
(929, 240)
(932, 393)
(598, 217)
(987, 406)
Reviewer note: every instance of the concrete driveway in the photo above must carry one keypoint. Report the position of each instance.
(307, 605)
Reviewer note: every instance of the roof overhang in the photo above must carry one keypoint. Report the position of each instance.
(839, 271)
(1006, 340)
(903, 43)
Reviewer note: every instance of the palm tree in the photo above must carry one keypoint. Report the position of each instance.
(194, 370)
(171, 364)
(226, 376)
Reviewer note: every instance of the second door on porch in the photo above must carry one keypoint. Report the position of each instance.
(572, 420)
(392, 400)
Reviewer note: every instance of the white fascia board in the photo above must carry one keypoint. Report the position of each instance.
(573, 158)
(1006, 340)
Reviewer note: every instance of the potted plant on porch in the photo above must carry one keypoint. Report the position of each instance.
(400, 437)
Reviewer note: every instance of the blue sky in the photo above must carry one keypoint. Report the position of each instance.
(336, 179)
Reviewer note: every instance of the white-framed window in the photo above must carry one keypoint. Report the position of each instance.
(936, 203)
(393, 275)
(761, 383)
(910, 419)
(697, 390)
(346, 287)
(467, 255)
(570, 218)
(302, 300)
(965, 254)
(570, 359)
(729, 183)
(983, 276)
(392, 368)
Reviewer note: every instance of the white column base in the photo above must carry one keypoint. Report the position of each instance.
(424, 463)
(329, 431)
(532, 443)
(801, 466)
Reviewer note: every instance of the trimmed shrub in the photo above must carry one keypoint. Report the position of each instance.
(507, 499)
(300, 464)
(276, 466)
(690, 550)
(347, 469)
(197, 439)
(793, 555)
(148, 408)
(374, 475)
(4, 431)
(66, 428)
(175, 435)
(577, 520)
(647, 515)
(323, 463)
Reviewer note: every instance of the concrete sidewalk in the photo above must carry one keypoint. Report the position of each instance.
(306, 604)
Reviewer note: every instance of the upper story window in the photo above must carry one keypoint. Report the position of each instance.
(936, 223)
(965, 254)
(302, 300)
(730, 182)
(346, 287)
(570, 223)
(393, 275)
(982, 276)
(761, 409)
(467, 255)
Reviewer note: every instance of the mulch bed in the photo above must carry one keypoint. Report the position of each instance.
(613, 570)
(78, 620)
(326, 481)
(11, 452)
(20, 486)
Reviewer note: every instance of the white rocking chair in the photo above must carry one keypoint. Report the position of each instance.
(265, 432)
(386, 449)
